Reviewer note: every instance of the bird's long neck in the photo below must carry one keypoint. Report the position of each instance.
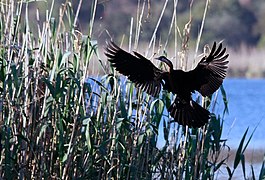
(169, 63)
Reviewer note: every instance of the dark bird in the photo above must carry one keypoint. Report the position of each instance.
(206, 78)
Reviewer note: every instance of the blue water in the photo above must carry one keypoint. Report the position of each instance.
(246, 103)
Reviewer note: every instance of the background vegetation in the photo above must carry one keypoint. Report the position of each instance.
(59, 122)
(238, 22)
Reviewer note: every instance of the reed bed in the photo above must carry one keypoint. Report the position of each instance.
(59, 122)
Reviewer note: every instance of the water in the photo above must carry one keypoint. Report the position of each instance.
(246, 103)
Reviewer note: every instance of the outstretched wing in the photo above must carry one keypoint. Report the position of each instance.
(137, 68)
(209, 74)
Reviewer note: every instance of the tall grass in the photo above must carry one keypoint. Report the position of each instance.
(59, 122)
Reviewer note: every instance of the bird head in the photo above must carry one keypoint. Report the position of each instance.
(165, 60)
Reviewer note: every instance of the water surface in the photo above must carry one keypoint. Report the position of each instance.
(246, 102)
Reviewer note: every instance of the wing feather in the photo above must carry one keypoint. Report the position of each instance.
(209, 74)
(136, 67)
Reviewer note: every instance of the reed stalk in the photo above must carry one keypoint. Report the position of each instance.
(57, 121)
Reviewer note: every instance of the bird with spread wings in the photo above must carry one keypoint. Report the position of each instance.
(205, 78)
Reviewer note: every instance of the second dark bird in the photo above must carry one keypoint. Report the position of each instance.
(206, 78)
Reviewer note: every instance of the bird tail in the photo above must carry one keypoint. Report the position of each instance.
(189, 113)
